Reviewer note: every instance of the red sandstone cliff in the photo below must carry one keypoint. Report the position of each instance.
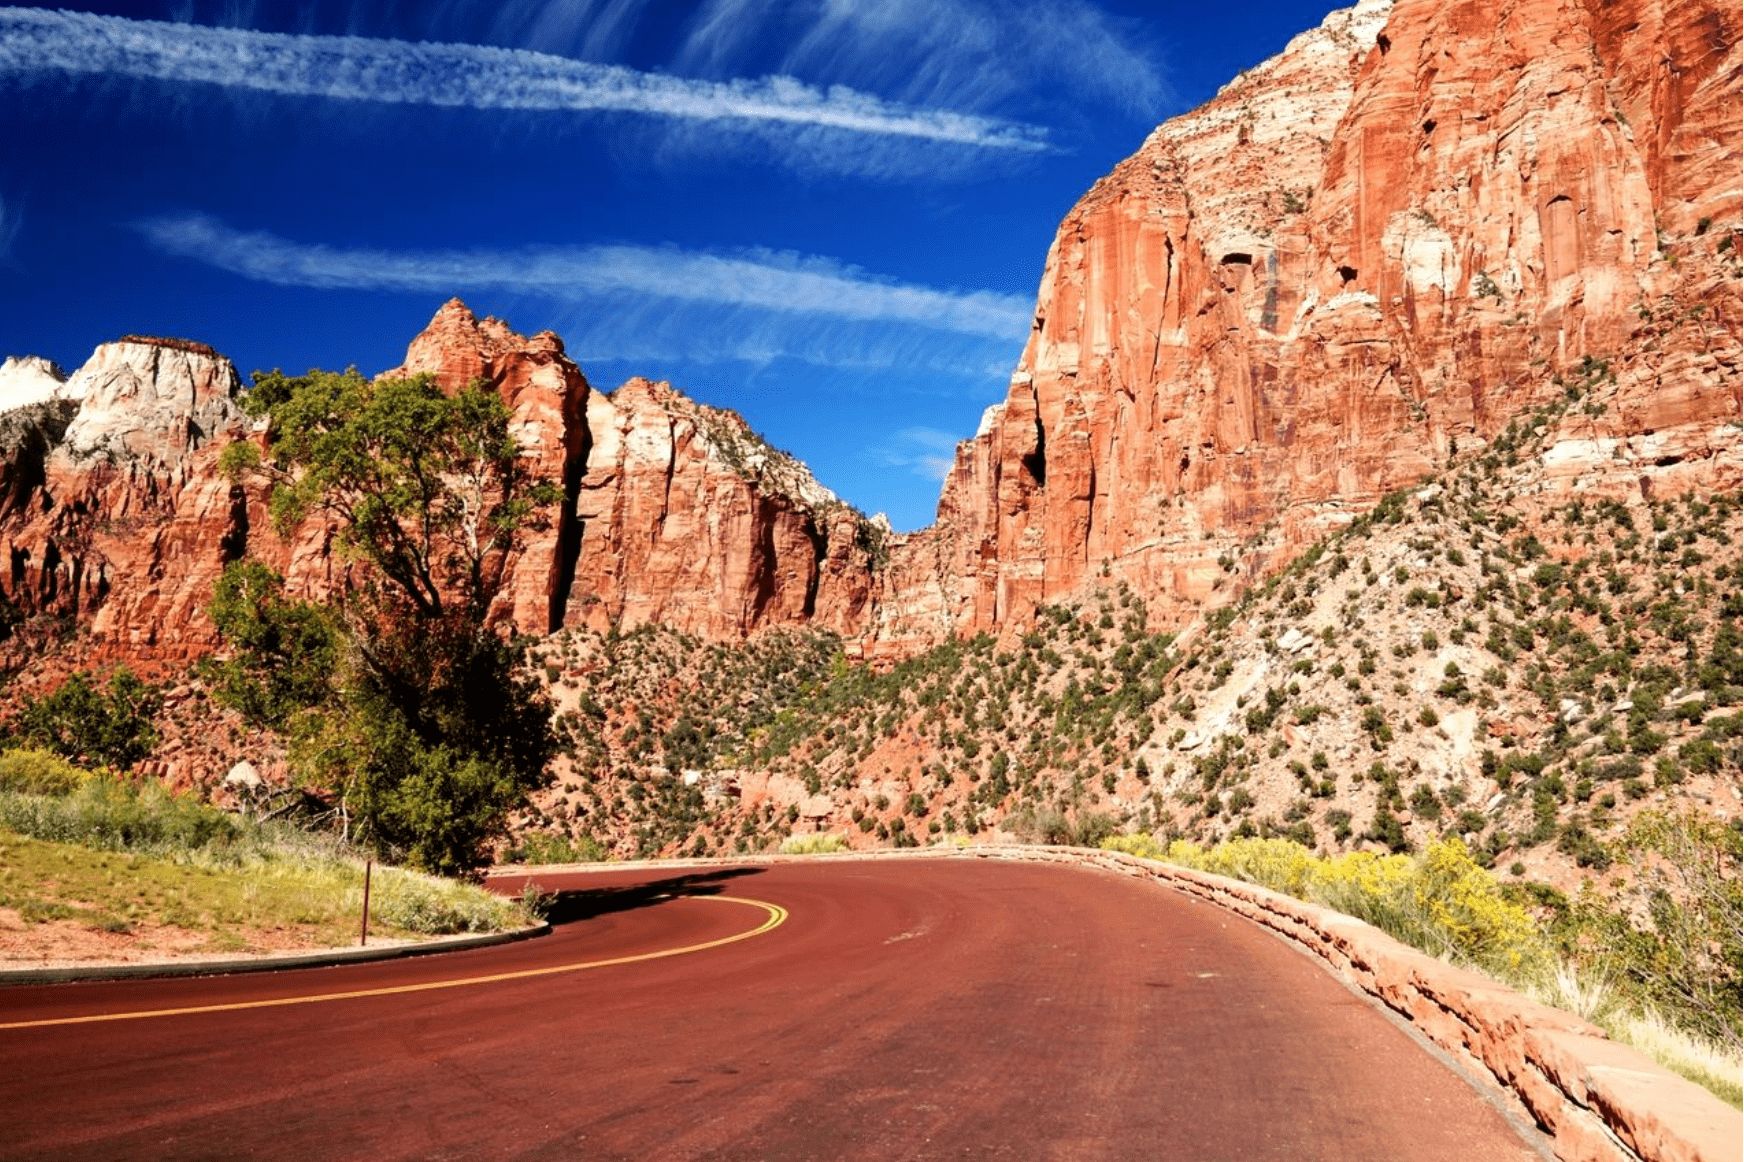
(1361, 258)
(674, 512)
(114, 519)
(1374, 249)
(118, 520)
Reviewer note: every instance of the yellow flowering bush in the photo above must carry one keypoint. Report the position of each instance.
(1277, 864)
(1440, 901)
(1141, 845)
(1464, 902)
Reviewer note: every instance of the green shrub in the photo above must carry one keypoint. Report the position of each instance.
(549, 847)
(819, 843)
(80, 722)
(438, 907)
(108, 814)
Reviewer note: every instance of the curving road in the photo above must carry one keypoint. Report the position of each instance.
(910, 1009)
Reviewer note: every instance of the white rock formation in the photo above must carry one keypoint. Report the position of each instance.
(31, 379)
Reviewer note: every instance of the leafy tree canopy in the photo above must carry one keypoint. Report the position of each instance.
(286, 652)
(83, 723)
(428, 488)
(408, 704)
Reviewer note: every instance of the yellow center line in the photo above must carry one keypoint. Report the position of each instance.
(776, 916)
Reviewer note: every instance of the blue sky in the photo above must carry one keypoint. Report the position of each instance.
(829, 215)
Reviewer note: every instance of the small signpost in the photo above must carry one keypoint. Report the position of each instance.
(363, 931)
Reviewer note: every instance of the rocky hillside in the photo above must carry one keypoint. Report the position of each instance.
(1369, 472)
(1485, 655)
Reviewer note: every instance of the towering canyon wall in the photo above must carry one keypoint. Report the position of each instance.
(1362, 258)
(115, 521)
(113, 516)
(1364, 255)
(673, 512)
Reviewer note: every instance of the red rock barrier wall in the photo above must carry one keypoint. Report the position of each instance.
(1598, 1101)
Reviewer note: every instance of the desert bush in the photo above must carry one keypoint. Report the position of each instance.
(436, 906)
(1440, 901)
(111, 815)
(818, 843)
(548, 847)
(1141, 844)
(39, 772)
(81, 722)
(1670, 936)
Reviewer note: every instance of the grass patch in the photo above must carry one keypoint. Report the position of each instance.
(317, 897)
(813, 844)
(110, 854)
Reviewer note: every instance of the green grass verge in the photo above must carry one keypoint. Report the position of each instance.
(113, 855)
(310, 899)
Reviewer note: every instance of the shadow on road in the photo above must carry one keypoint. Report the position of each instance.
(586, 903)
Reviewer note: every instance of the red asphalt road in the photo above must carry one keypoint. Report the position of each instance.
(910, 1009)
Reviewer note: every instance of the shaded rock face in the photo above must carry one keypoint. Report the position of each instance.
(1362, 256)
(689, 520)
(548, 398)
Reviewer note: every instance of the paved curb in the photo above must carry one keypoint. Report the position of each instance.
(324, 958)
(1596, 1100)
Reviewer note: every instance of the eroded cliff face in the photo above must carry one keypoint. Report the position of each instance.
(674, 512)
(1362, 257)
(689, 520)
(115, 519)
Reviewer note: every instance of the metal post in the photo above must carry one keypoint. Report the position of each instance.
(363, 932)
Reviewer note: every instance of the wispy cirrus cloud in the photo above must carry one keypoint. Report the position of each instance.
(764, 280)
(966, 54)
(463, 75)
(927, 452)
(661, 303)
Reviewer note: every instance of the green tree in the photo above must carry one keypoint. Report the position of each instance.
(285, 653)
(428, 729)
(1671, 931)
(87, 725)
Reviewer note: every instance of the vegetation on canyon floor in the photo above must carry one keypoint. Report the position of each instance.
(1551, 679)
(114, 855)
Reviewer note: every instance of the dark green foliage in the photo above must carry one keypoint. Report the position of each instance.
(285, 653)
(422, 720)
(429, 489)
(91, 726)
(1388, 830)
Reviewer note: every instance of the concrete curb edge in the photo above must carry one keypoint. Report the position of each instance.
(322, 958)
